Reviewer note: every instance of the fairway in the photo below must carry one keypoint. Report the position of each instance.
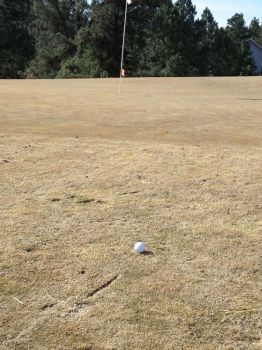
(85, 173)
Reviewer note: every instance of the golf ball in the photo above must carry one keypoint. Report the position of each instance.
(139, 247)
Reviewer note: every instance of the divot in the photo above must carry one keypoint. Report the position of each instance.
(103, 286)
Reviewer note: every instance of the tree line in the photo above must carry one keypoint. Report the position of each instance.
(78, 38)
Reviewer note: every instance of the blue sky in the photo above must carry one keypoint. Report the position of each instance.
(224, 9)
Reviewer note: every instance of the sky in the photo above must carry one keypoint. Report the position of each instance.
(224, 9)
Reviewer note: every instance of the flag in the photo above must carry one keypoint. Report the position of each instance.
(122, 72)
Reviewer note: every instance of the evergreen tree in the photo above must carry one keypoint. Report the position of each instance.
(16, 44)
(158, 50)
(206, 38)
(239, 54)
(143, 17)
(223, 58)
(104, 35)
(72, 38)
(170, 46)
(56, 25)
(184, 38)
(255, 30)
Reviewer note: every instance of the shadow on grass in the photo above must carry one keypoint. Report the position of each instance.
(147, 252)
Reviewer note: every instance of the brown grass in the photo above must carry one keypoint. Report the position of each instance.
(84, 174)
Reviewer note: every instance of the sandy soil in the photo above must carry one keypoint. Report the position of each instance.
(85, 173)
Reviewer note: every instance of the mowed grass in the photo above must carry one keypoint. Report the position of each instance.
(85, 173)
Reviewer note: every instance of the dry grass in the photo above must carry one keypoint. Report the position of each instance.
(83, 174)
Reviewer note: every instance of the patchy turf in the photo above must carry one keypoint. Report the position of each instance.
(84, 174)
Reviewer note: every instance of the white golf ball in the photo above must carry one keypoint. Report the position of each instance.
(139, 247)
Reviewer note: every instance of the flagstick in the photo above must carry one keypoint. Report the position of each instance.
(122, 55)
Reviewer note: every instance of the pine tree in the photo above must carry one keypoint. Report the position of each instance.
(170, 41)
(143, 17)
(104, 35)
(184, 37)
(239, 53)
(255, 30)
(157, 52)
(57, 23)
(72, 38)
(16, 44)
(206, 37)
